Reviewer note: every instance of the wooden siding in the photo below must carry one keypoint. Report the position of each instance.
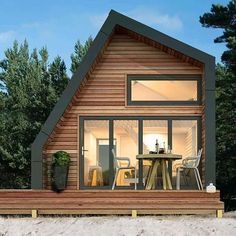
(103, 92)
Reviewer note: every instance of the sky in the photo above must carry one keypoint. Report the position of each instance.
(58, 24)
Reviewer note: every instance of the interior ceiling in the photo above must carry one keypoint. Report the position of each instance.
(99, 128)
(170, 89)
(134, 123)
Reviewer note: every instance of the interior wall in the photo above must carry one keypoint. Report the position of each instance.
(90, 156)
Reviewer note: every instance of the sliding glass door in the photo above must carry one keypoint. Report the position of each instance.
(95, 152)
(128, 137)
(126, 134)
(185, 142)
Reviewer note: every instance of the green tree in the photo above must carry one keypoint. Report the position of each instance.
(58, 75)
(79, 53)
(224, 17)
(30, 89)
(225, 132)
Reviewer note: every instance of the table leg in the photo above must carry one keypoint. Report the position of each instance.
(148, 183)
(157, 163)
(163, 174)
(169, 185)
(140, 178)
(149, 174)
(151, 182)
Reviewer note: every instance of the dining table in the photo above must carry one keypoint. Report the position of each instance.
(157, 160)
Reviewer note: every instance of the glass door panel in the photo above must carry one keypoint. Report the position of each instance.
(184, 139)
(95, 153)
(126, 136)
(154, 130)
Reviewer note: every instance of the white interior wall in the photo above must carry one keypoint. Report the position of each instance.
(90, 155)
(128, 148)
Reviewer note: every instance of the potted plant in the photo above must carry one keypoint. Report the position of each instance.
(60, 169)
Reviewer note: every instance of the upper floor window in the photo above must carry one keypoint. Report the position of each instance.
(163, 90)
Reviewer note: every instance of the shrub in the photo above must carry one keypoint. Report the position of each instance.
(61, 158)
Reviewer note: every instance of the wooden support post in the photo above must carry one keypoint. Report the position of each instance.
(34, 214)
(134, 213)
(219, 213)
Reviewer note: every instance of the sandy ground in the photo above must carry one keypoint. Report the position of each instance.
(124, 225)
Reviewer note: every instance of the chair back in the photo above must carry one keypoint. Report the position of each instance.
(116, 162)
(199, 155)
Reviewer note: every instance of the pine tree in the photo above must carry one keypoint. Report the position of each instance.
(31, 89)
(224, 17)
(58, 75)
(79, 53)
(226, 133)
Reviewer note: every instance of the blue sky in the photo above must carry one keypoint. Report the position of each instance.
(58, 24)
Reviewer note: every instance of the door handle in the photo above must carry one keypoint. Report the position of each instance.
(83, 150)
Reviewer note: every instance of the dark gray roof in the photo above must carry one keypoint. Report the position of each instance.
(112, 20)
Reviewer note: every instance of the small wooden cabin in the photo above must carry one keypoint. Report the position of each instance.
(132, 77)
(136, 85)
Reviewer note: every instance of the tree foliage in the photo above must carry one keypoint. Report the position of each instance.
(29, 88)
(226, 132)
(224, 17)
(80, 51)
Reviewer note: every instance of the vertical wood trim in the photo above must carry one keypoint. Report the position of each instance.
(78, 151)
(126, 87)
(111, 158)
(169, 130)
(81, 161)
(140, 146)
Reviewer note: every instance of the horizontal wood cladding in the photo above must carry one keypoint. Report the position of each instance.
(125, 55)
(165, 194)
(122, 31)
(103, 93)
(109, 202)
(134, 111)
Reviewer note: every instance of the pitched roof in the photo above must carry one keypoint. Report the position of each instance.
(114, 19)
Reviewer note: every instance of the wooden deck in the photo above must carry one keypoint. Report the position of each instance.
(109, 202)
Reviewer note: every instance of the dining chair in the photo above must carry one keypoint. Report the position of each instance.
(190, 163)
(118, 166)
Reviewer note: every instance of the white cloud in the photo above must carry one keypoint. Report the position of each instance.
(146, 16)
(7, 36)
(156, 19)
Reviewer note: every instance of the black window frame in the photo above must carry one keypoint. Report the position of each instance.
(197, 78)
(140, 120)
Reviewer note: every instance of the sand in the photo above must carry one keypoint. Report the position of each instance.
(122, 225)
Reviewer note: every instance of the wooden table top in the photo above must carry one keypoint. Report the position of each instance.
(159, 156)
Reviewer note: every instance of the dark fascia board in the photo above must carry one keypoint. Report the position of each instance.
(155, 35)
(112, 20)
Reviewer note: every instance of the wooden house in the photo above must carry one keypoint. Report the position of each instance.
(136, 85)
